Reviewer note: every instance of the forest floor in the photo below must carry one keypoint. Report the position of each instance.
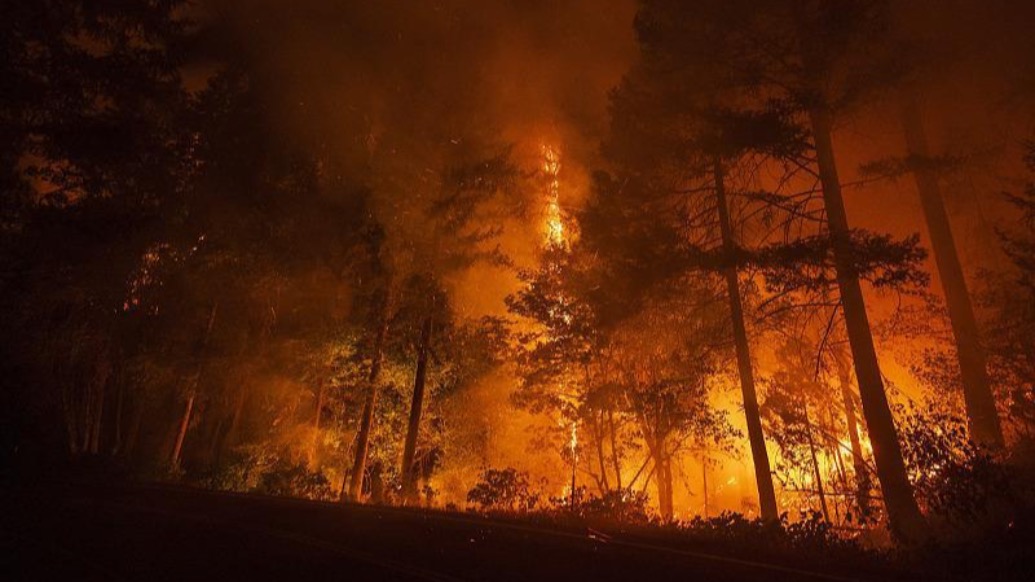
(91, 531)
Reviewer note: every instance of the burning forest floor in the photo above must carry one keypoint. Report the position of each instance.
(89, 530)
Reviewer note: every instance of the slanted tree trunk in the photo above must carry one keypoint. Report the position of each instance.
(704, 483)
(229, 438)
(97, 413)
(904, 514)
(134, 428)
(663, 479)
(116, 444)
(982, 417)
(598, 436)
(181, 434)
(409, 470)
(862, 475)
(316, 422)
(818, 475)
(614, 446)
(759, 454)
(366, 423)
(192, 393)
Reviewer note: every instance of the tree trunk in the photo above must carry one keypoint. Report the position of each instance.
(815, 463)
(862, 475)
(230, 438)
(904, 515)
(759, 454)
(598, 436)
(316, 422)
(663, 478)
(982, 416)
(134, 429)
(116, 445)
(366, 423)
(97, 415)
(409, 471)
(188, 409)
(192, 393)
(704, 483)
(614, 447)
(102, 377)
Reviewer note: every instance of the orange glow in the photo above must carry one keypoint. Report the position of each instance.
(551, 167)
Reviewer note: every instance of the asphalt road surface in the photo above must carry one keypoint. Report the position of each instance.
(93, 532)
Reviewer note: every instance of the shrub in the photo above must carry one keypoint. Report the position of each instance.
(620, 506)
(294, 480)
(503, 490)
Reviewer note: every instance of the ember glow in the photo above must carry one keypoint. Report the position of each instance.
(554, 219)
(618, 261)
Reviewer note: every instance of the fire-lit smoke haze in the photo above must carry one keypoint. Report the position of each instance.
(646, 259)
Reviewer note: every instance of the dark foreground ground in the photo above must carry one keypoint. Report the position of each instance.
(105, 532)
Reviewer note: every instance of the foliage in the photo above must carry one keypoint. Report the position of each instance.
(1011, 299)
(616, 506)
(294, 480)
(503, 490)
(955, 479)
(810, 535)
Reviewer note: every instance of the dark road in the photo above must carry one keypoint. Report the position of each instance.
(160, 533)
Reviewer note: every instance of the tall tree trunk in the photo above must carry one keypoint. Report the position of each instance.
(359, 463)
(119, 398)
(614, 446)
(862, 475)
(409, 470)
(815, 463)
(97, 417)
(759, 454)
(598, 436)
(102, 375)
(181, 433)
(316, 422)
(663, 478)
(904, 515)
(982, 416)
(134, 429)
(192, 393)
(230, 438)
(704, 483)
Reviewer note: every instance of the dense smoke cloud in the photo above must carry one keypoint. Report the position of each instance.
(567, 220)
(360, 82)
(338, 69)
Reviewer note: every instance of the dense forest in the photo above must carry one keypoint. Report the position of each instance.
(662, 261)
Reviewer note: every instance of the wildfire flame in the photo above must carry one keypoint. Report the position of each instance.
(551, 167)
(573, 441)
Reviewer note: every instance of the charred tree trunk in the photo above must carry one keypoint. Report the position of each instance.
(192, 394)
(409, 470)
(759, 454)
(903, 512)
(704, 483)
(181, 434)
(134, 429)
(116, 445)
(614, 447)
(598, 436)
(96, 417)
(982, 417)
(862, 474)
(230, 438)
(316, 422)
(366, 423)
(663, 478)
(815, 463)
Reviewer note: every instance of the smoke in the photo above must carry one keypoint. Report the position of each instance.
(393, 91)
